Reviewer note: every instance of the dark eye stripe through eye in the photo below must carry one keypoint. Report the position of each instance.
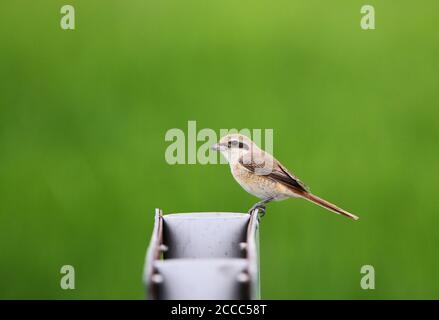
(238, 144)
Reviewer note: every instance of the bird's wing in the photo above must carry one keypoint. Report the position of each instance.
(263, 164)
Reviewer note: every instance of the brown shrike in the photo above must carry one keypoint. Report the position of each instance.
(260, 174)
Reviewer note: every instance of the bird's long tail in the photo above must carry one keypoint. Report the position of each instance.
(327, 205)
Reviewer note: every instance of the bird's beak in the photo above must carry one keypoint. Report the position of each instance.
(218, 147)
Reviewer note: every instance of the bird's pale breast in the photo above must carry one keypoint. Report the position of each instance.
(259, 185)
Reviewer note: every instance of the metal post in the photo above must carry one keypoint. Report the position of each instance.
(211, 255)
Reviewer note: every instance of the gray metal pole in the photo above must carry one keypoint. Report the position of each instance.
(211, 255)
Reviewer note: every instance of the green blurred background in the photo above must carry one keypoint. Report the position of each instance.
(83, 115)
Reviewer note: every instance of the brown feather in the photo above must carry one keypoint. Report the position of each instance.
(327, 205)
(276, 171)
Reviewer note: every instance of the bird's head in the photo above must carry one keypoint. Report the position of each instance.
(234, 146)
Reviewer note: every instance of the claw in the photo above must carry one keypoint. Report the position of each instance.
(260, 207)
(261, 211)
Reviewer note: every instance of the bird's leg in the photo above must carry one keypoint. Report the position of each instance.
(260, 206)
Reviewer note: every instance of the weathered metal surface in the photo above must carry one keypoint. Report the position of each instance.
(201, 279)
(253, 255)
(153, 253)
(204, 235)
(212, 255)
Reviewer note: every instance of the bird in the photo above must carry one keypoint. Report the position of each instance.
(261, 175)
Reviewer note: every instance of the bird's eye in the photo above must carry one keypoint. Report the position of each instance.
(237, 144)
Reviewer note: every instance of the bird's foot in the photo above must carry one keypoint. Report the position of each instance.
(261, 211)
(260, 207)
